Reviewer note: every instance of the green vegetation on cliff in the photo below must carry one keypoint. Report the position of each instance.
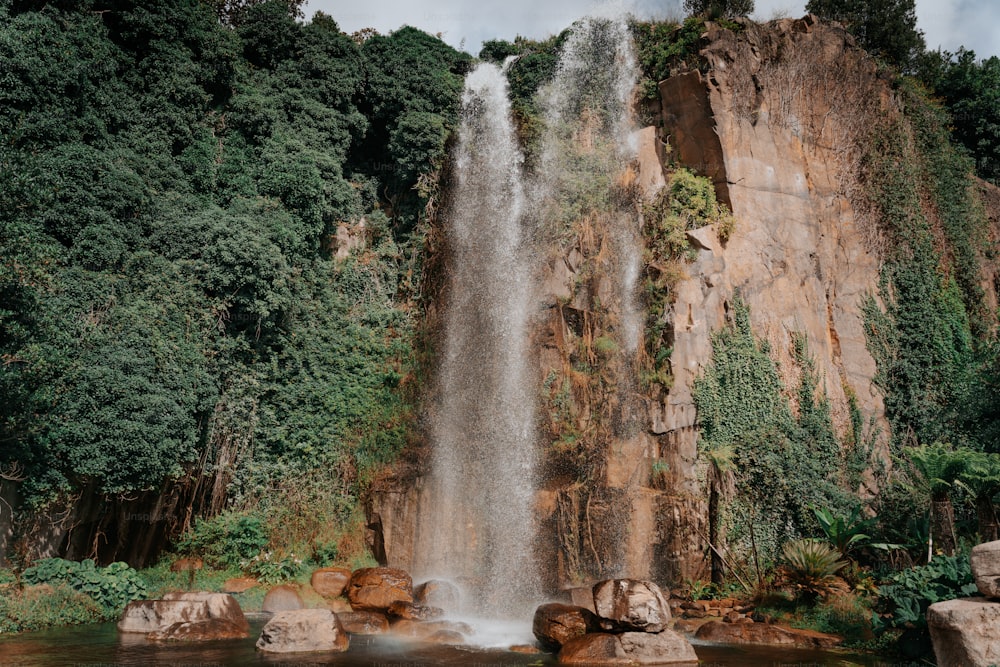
(173, 322)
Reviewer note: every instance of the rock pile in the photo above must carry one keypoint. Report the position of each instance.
(629, 625)
(194, 616)
(965, 631)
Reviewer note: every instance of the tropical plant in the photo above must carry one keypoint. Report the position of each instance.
(906, 595)
(934, 470)
(810, 567)
(981, 478)
(844, 532)
(111, 587)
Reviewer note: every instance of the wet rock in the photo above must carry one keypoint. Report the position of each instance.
(424, 629)
(582, 596)
(437, 593)
(364, 622)
(985, 559)
(964, 632)
(732, 617)
(238, 585)
(330, 582)
(207, 630)
(302, 631)
(687, 625)
(339, 606)
(555, 624)
(526, 649)
(662, 648)
(760, 633)
(631, 604)
(414, 612)
(449, 637)
(375, 588)
(282, 598)
(594, 650)
(153, 616)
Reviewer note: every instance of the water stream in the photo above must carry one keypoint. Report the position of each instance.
(477, 526)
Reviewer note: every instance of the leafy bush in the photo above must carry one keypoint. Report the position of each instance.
(227, 540)
(810, 567)
(272, 568)
(111, 587)
(45, 605)
(905, 597)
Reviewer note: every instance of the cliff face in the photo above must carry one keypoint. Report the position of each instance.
(774, 119)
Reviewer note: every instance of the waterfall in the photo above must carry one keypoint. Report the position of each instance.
(478, 525)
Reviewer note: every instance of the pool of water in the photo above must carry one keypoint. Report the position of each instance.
(102, 646)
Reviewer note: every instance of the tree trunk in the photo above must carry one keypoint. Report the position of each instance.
(715, 535)
(943, 525)
(987, 518)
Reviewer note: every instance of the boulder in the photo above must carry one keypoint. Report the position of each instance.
(594, 650)
(375, 588)
(449, 637)
(438, 593)
(238, 585)
(423, 630)
(631, 605)
(301, 631)
(985, 560)
(765, 633)
(964, 632)
(154, 616)
(662, 648)
(282, 598)
(364, 622)
(555, 624)
(195, 631)
(414, 612)
(330, 582)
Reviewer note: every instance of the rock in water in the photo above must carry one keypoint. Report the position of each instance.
(302, 631)
(594, 650)
(556, 624)
(414, 612)
(330, 582)
(157, 616)
(195, 631)
(630, 604)
(437, 593)
(985, 560)
(376, 588)
(965, 632)
(364, 622)
(663, 648)
(765, 633)
(282, 598)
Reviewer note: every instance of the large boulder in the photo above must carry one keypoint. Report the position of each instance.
(765, 633)
(663, 648)
(303, 631)
(426, 630)
(438, 593)
(985, 560)
(282, 598)
(631, 605)
(157, 616)
(594, 650)
(330, 582)
(364, 622)
(555, 624)
(195, 631)
(375, 588)
(964, 632)
(414, 612)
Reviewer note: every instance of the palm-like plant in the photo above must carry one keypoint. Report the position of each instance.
(844, 532)
(981, 478)
(810, 568)
(934, 470)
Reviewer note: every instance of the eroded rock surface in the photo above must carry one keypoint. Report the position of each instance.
(965, 632)
(376, 588)
(303, 631)
(985, 560)
(555, 624)
(629, 604)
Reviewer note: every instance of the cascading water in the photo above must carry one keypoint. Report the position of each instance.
(478, 526)
(587, 109)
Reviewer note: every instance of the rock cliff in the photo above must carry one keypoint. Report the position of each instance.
(774, 116)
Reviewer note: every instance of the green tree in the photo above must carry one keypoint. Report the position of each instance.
(714, 9)
(934, 470)
(887, 28)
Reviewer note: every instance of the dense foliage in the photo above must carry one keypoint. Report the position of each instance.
(714, 9)
(887, 28)
(170, 310)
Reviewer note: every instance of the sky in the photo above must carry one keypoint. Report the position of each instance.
(947, 24)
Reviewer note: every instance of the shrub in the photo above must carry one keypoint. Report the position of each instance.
(227, 540)
(810, 568)
(43, 606)
(111, 587)
(904, 599)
